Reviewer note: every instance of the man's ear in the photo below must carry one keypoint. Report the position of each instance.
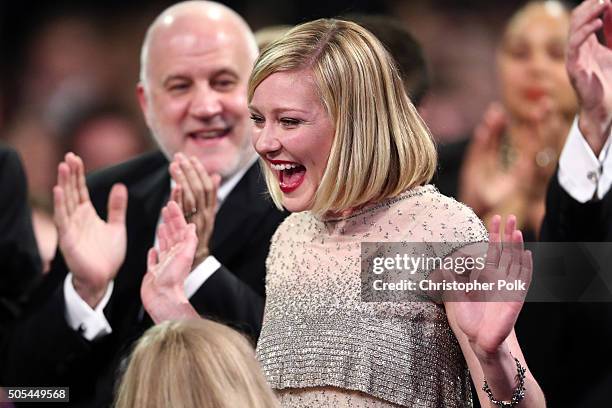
(141, 95)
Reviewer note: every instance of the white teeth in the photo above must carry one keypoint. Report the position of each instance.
(209, 134)
(281, 167)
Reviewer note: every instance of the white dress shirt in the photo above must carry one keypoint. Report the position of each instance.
(92, 323)
(581, 174)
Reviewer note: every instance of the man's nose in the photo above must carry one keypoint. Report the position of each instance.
(206, 102)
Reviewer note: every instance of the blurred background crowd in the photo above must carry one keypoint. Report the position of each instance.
(69, 70)
(496, 94)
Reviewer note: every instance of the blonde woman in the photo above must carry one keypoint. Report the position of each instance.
(345, 151)
(194, 363)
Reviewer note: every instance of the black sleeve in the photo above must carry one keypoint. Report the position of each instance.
(42, 347)
(583, 326)
(568, 220)
(235, 293)
(225, 298)
(20, 264)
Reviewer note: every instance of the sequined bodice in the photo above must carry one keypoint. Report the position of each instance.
(317, 332)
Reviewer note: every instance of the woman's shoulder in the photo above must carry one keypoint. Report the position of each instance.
(451, 219)
(450, 205)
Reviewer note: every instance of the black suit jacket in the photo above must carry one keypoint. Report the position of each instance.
(568, 220)
(581, 375)
(20, 265)
(243, 228)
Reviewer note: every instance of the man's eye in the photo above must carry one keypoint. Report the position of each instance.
(181, 86)
(224, 84)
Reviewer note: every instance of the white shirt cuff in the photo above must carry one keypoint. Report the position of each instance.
(91, 323)
(200, 274)
(582, 174)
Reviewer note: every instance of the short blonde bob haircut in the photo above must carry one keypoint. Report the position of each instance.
(193, 364)
(381, 145)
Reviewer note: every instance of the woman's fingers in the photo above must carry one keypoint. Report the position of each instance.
(494, 249)
(517, 255)
(509, 229)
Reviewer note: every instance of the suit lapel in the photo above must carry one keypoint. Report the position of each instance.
(147, 199)
(241, 207)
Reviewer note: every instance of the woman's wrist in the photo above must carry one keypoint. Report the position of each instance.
(518, 394)
(500, 371)
(492, 356)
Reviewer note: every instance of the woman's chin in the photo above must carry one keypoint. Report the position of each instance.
(293, 206)
(297, 202)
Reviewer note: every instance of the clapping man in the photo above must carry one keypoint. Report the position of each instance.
(195, 63)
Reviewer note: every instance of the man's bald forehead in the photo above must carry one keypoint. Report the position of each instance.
(205, 17)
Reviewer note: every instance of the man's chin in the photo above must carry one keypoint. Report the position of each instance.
(224, 162)
(216, 165)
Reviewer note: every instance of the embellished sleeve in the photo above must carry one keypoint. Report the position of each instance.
(446, 226)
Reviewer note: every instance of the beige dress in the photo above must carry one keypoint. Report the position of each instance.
(322, 346)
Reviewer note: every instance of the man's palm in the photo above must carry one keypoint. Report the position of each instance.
(94, 249)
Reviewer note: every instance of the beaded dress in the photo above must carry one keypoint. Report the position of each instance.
(321, 345)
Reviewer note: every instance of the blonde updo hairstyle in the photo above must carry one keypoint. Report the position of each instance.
(381, 145)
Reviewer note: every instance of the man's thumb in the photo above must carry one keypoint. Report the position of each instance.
(117, 204)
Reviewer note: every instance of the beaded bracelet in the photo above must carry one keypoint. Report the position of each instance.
(517, 395)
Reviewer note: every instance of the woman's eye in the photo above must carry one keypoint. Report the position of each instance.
(557, 52)
(519, 53)
(256, 118)
(289, 122)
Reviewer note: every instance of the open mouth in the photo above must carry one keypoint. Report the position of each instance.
(290, 175)
(204, 135)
